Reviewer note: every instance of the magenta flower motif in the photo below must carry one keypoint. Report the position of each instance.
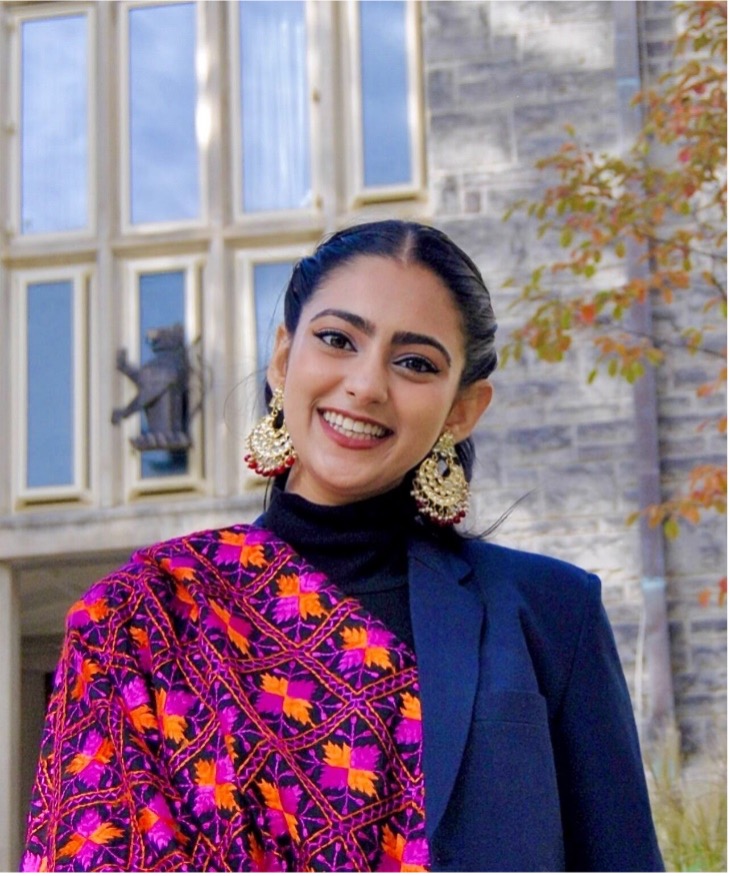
(88, 765)
(32, 863)
(135, 694)
(414, 856)
(178, 702)
(215, 785)
(409, 731)
(288, 800)
(365, 757)
(92, 607)
(227, 717)
(366, 647)
(278, 696)
(311, 582)
(90, 835)
(157, 823)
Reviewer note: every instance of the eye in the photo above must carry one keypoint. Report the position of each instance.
(336, 340)
(417, 364)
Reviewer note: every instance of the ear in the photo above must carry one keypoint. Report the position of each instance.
(276, 372)
(469, 405)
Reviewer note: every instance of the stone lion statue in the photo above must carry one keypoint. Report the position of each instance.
(162, 391)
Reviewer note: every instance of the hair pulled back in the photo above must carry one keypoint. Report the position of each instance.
(411, 243)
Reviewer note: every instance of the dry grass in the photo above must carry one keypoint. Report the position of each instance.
(690, 813)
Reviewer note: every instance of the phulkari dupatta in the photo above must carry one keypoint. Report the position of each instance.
(220, 705)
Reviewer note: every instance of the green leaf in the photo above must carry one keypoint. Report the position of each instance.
(671, 528)
(566, 236)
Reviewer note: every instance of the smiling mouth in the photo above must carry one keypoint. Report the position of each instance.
(351, 428)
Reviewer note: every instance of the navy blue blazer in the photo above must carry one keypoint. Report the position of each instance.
(531, 756)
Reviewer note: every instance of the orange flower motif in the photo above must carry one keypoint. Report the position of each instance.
(273, 800)
(185, 602)
(142, 718)
(85, 676)
(411, 707)
(83, 612)
(215, 788)
(179, 573)
(90, 833)
(340, 757)
(374, 653)
(237, 628)
(139, 637)
(171, 709)
(396, 848)
(306, 602)
(250, 554)
(96, 751)
(296, 707)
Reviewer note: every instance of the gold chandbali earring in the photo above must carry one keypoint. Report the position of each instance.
(440, 487)
(269, 445)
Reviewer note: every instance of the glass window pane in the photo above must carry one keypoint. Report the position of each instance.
(162, 98)
(50, 449)
(270, 281)
(54, 143)
(161, 305)
(274, 105)
(383, 54)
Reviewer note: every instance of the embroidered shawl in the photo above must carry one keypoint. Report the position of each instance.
(220, 705)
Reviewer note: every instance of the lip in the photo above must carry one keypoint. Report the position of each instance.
(361, 442)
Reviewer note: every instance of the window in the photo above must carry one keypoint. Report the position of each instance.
(163, 296)
(164, 174)
(272, 89)
(386, 98)
(262, 276)
(54, 124)
(51, 385)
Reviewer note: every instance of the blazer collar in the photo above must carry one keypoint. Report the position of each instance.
(447, 623)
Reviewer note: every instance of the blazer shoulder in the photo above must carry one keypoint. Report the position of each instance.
(524, 569)
(551, 597)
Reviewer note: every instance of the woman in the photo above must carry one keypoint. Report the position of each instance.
(348, 684)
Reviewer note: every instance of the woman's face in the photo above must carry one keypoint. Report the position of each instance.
(371, 379)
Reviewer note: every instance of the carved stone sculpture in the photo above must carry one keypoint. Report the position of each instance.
(162, 385)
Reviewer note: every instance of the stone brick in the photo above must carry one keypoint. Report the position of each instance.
(477, 138)
(440, 89)
(585, 46)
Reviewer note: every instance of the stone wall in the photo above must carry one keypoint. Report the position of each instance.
(502, 79)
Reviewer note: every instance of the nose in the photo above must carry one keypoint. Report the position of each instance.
(367, 381)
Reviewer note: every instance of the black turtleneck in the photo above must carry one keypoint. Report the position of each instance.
(361, 547)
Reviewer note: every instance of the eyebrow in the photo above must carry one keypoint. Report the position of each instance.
(368, 328)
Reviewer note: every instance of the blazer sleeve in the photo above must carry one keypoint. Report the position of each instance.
(605, 808)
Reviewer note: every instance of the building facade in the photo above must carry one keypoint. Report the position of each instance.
(168, 163)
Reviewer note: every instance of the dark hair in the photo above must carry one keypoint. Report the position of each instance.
(413, 243)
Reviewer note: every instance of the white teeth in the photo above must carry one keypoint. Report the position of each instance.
(348, 426)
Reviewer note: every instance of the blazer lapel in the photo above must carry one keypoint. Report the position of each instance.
(447, 625)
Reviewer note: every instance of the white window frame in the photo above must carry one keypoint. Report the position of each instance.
(17, 17)
(81, 279)
(202, 117)
(244, 315)
(358, 194)
(288, 220)
(135, 485)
